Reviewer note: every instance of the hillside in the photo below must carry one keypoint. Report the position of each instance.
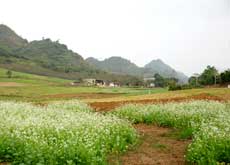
(116, 65)
(10, 41)
(158, 66)
(47, 57)
(51, 58)
(119, 65)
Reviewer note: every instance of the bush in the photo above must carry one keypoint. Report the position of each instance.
(182, 87)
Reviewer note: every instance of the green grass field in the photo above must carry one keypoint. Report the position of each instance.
(71, 132)
(28, 87)
(34, 88)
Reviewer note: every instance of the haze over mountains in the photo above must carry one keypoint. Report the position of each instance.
(46, 57)
(119, 65)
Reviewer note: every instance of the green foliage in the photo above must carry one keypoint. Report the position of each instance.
(49, 58)
(116, 65)
(209, 76)
(159, 80)
(174, 87)
(207, 122)
(68, 134)
(182, 87)
(120, 65)
(158, 66)
(9, 73)
(193, 81)
(225, 76)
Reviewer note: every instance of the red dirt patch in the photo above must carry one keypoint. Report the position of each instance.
(106, 106)
(10, 84)
(82, 95)
(155, 148)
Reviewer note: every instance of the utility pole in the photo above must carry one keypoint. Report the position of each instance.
(215, 79)
(216, 74)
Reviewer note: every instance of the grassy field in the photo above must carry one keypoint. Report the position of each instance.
(30, 87)
(66, 131)
(33, 88)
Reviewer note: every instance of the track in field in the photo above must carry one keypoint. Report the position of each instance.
(157, 147)
(107, 106)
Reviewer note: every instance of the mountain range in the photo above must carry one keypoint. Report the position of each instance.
(119, 65)
(51, 58)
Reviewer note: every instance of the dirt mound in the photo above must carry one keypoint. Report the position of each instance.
(106, 106)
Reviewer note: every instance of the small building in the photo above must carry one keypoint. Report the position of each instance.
(149, 82)
(94, 82)
(149, 79)
(229, 86)
(100, 83)
(114, 84)
(89, 81)
(152, 85)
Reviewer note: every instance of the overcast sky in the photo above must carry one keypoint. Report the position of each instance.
(186, 34)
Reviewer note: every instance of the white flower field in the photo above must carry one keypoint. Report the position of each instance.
(60, 135)
(207, 122)
(70, 132)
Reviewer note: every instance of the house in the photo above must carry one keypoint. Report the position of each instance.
(99, 83)
(229, 86)
(94, 82)
(152, 85)
(114, 84)
(89, 81)
(149, 79)
(150, 82)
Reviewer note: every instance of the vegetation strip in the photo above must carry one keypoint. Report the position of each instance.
(208, 122)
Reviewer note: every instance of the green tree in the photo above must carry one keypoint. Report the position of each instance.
(194, 80)
(9, 73)
(171, 81)
(159, 80)
(209, 76)
(225, 77)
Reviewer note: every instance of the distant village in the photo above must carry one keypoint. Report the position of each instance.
(104, 83)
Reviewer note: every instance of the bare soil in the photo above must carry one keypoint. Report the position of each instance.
(107, 106)
(83, 95)
(10, 84)
(156, 148)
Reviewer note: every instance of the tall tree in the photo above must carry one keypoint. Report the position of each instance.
(209, 76)
(225, 76)
(159, 80)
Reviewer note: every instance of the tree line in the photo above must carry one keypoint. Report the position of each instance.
(210, 76)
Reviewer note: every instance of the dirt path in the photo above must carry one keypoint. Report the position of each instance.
(107, 106)
(157, 147)
(11, 84)
(83, 95)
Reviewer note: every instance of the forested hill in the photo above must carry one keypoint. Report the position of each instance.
(119, 65)
(51, 58)
(47, 57)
